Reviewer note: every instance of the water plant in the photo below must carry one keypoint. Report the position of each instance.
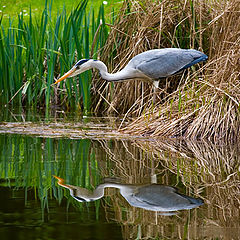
(35, 51)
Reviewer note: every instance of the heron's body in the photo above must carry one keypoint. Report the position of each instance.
(161, 63)
(154, 197)
(150, 65)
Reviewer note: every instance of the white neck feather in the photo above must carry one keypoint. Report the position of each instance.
(124, 189)
(124, 74)
(98, 193)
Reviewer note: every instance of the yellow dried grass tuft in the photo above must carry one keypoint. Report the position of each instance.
(199, 105)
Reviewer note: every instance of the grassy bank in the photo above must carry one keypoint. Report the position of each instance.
(201, 103)
(14, 7)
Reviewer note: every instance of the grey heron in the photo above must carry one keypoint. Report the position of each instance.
(153, 197)
(151, 65)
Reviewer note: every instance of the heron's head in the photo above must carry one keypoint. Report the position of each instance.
(81, 66)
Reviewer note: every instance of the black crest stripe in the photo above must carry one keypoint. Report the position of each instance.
(80, 62)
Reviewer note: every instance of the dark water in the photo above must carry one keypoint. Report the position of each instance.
(26, 219)
(34, 206)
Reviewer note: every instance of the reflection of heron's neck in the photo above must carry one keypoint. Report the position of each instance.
(125, 189)
(122, 75)
(99, 191)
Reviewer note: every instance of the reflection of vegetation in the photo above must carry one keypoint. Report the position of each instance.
(201, 168)
(212, 169)
(31, 162)
(197, 169)
(33, 52)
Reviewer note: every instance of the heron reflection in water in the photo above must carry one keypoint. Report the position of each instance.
(153, 197)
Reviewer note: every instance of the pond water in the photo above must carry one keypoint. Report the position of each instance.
(34, 206)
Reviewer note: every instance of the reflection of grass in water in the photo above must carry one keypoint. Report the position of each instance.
(31, 162)
(209, 170)
(202, 170)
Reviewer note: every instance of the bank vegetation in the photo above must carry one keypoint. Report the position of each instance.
(201, 103)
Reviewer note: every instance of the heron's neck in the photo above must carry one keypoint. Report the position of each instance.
(112, 77)
(99, 191)
(125, 189)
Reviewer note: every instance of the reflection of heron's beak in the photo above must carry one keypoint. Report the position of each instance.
(61, 182)
(59, 179)
(66, 75)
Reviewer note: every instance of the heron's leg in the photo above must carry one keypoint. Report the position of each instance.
(155, 84)
(153, 174)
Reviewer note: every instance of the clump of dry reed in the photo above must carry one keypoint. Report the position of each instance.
(205, 166)
(140, 26)
(206, 170)
(203, 104)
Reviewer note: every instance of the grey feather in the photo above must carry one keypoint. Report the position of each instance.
(166, 197)
(161, 63)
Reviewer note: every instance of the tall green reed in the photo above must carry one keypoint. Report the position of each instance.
(35, 51)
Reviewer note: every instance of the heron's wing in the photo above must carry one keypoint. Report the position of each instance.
(160, 63)
(166, 197)
(157, 195)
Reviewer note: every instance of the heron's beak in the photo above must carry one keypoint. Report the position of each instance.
(59, 179)
(61, 182)
(66, 75)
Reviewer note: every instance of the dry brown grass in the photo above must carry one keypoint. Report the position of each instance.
(144, 25)
(200, 105)
(207, 171)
